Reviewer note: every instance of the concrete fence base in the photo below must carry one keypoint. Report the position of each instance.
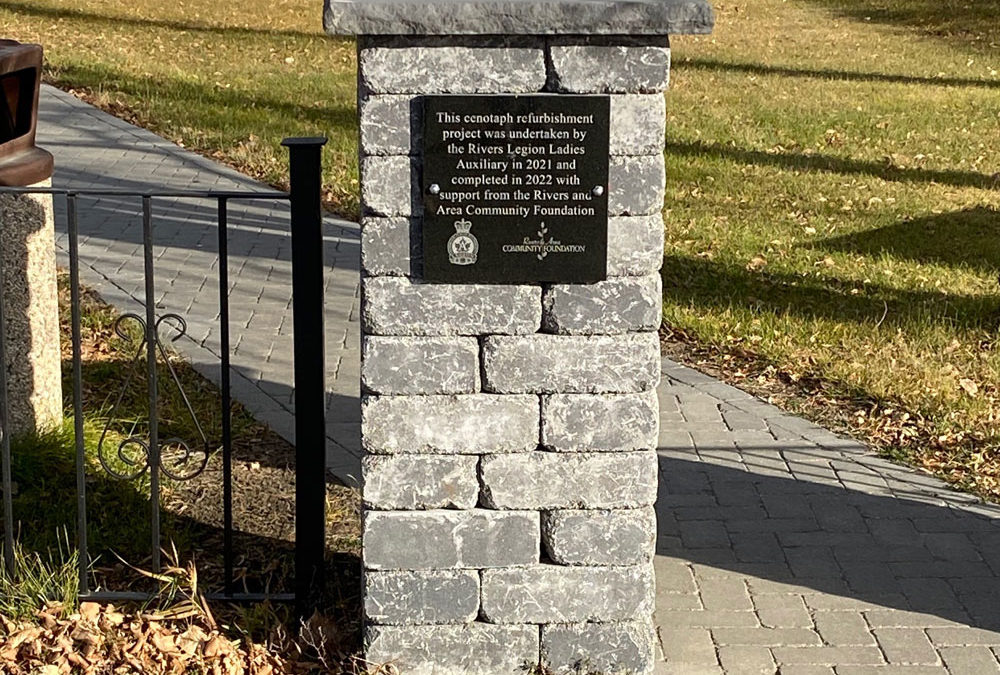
(31, 311)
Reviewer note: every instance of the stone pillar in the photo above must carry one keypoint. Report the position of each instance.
(510, 430)
(31, 311)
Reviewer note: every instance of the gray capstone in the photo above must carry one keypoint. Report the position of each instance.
(600, 422)
(469, 649)
(636, 185)
(616, 305)
(425, 597)
(488, 17)
(401, 306)
(449, 69)
(419, 365)
(391, 246)
(600, 537)
(389, 186)
(465, 424)
(635, 245)
(443, 539)
(611, 69)
(557, 594)
(571, 364)
(638, 124)
(390, 125)
(553, 480)
(618, 648)
(408, 482)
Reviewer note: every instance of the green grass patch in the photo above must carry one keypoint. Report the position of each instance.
(38, 581)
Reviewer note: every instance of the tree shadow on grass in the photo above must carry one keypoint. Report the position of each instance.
(969, 238)
(829, 73)
(64, 14)
(953, 20)
(227, 101)
(832, 164)
(702, 283)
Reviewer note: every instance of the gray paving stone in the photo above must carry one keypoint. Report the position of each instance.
(843, 628)
(834, 656)
(946, 636)
(766, 637)
(186, 239)
(688, 645)
(907, 646)
(749, 660)
(973, 660)
(782, 611)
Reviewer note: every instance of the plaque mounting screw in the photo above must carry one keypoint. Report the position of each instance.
(434, 188)
(598, 190)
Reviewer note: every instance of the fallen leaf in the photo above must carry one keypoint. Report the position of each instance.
(970, 387)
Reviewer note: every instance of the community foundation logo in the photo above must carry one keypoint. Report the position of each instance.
(544, 245)
(463, 247)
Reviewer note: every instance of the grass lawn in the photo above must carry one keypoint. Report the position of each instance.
(833, 201)
(833, 206)
(229, 80)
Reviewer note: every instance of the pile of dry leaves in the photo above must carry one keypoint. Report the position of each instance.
(181, 636)
(102, 639)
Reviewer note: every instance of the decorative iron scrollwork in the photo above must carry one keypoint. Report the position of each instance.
(175, 459)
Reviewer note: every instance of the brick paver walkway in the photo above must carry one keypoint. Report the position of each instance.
(782, 547)
(95, 150)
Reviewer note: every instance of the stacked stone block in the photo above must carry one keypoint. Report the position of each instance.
(510, 430)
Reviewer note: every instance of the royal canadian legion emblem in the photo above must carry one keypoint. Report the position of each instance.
(463, 247)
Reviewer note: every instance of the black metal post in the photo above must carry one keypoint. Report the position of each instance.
(227, 400)
(81, 452)
(305, 177)
(153, 387)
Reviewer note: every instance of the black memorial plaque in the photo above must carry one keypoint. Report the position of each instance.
(515, 188)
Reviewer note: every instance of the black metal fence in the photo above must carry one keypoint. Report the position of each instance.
(150, 456)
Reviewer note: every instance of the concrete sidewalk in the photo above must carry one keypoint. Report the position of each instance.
(782, 547)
